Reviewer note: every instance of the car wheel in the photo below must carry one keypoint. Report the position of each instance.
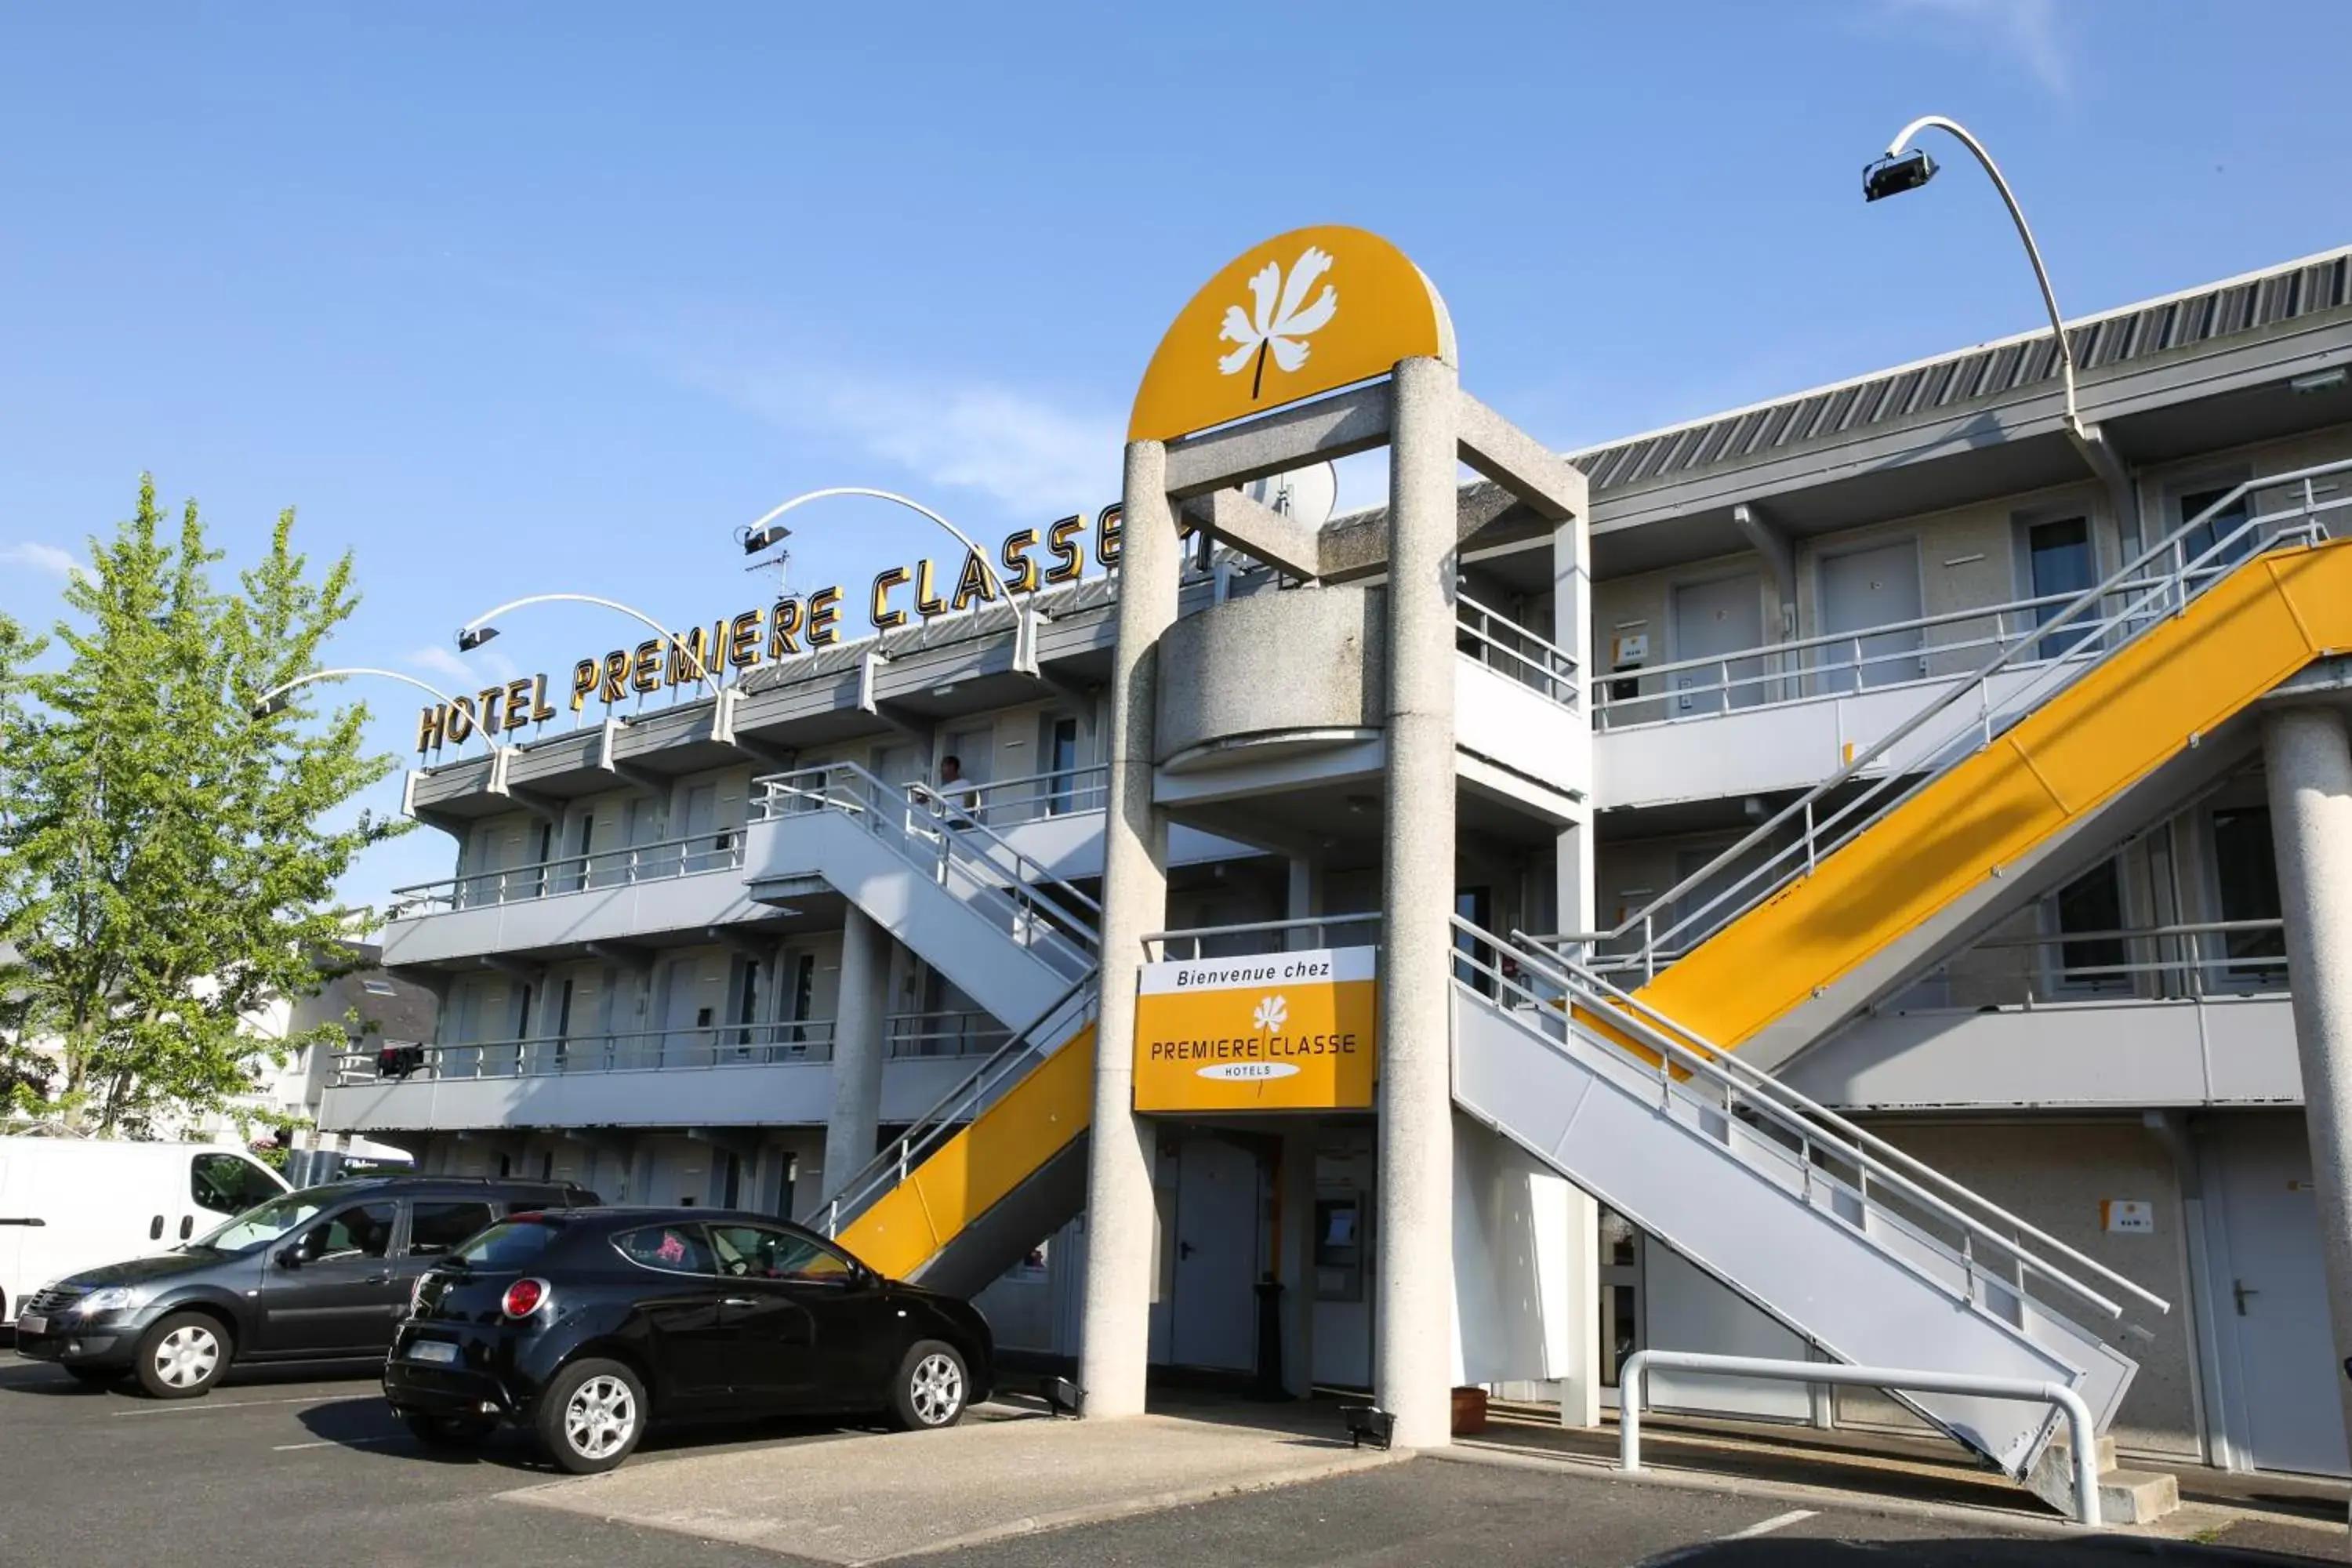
(929, 1390)
(182, 1356)
(95, 1376)
(592, 1416)
(448, 1431)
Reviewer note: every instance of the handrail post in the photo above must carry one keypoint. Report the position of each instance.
(1631, 1375)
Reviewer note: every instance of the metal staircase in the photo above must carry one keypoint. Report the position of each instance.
(976, 1181)
(1865, 1251)
(1999, 786)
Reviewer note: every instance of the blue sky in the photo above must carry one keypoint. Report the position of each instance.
(533, 297)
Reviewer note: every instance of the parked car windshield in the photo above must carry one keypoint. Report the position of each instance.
(509, 1244)
(261, 1225)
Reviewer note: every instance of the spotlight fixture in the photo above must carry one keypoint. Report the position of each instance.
(1061, 1396)
(1895, 173)
(270, 707)
(471, 639)
(766, 536)
(1368, 1424)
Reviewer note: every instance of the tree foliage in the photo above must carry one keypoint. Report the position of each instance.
(168, 861)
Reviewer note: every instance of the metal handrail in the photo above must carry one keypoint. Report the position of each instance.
(971, 1030)
(1682, 1053)
(2168, 594)
(1084, 789)
(666, 858)
(1155, 943)
(1042, 905)
(598, 1051)
(1043, 1035)
(1554, 673)
(2185, 962)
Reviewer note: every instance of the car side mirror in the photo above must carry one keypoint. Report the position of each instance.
(290, 1257)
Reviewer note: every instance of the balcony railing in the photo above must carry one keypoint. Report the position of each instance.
(969, 1034)
(1510, 649)
(2166, 962)
(732, 1045)
(720, 849)
(1002, 802)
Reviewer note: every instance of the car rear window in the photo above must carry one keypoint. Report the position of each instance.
(511, 1243)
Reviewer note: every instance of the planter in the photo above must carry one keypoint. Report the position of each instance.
(1469, 1411)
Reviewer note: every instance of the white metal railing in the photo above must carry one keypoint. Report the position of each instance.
(1510, 649)
(999, 1071)
(1966, 713)
(1998, 1254)
(2082, 1431)
(1265, 936)
(1002, 802)
(2166, 962)
(1020, 896)
(720, 849)
(644, 1050)
(944, 1034)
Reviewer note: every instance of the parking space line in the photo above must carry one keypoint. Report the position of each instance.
(339, 1443)
(1766, 1526)
(196, 1406)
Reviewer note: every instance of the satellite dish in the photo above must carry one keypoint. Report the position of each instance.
(1308, 494)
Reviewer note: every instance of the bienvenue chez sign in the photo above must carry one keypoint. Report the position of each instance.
(796, 624)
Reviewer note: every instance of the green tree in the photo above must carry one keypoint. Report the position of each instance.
(167, 861)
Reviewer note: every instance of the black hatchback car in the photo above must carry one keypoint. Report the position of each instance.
(320, 1274)
(586, 1326)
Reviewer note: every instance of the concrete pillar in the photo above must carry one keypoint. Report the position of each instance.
(2310, 766)
(1115, 1319)
(1296, 1266)
(1303, 901)
(857, 1047)
(1412, 1358)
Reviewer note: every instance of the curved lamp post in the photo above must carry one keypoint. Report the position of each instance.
(1897, 171)
(478, 630)
(273, 702)
(768, 532)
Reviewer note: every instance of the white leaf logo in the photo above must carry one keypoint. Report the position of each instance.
(1281, 317)
(1271, 1012)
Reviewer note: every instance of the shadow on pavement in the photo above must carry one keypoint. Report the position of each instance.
(367, 1425)
(2090, 1552)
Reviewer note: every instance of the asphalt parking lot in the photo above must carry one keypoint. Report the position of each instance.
(296, 1469)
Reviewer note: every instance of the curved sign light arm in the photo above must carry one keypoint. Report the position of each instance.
(693, 660)
(269, 704)
(1025, 634)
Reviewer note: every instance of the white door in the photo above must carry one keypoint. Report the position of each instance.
(1712, 620)
(1868, 588)
(2271, 1299)
(1212, 1316)
(701, 819)
(694, 993)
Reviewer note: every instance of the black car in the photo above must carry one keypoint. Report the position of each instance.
(320, 1274)
(586, 1326)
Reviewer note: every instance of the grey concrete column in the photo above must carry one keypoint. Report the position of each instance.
(1115, 1325)
(1296, 1267)
(2310, 766)
(1303, 899)
(1413, 1349)
(857, 1049)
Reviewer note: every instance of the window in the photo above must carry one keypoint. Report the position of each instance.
(229, 1185)
(509, 1244)
(2216, 544)
(671, 1249)
(438, 1228)
(2092, 906)
(2061, 565)
(765, 1252)
(2245, 870)
(364, 1230)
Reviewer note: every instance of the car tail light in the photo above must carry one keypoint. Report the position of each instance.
(524, 1297)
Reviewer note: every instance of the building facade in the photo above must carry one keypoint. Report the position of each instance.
(761, 947)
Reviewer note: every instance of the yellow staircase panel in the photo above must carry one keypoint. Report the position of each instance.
(977, 1168)
(2112, 727)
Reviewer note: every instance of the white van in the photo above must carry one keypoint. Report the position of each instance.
(74, 1203)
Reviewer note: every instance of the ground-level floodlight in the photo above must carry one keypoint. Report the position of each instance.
(1368, 1424)
(1895, 173)
(1061, 1396)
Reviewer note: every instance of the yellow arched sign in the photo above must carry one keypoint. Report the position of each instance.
(1298, 315)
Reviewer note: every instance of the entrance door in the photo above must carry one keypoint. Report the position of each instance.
(2271, 1299)
(1711, 620)
(1871, 588)
(1212, 1319)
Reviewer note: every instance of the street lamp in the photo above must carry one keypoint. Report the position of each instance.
(1901, 169)
(275, 700)
(767, 530)
(478, 630)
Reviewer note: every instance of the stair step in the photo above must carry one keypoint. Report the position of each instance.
(2125, 1497)
(2062, 1445)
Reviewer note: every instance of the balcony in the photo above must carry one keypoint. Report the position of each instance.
(738, 1075)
